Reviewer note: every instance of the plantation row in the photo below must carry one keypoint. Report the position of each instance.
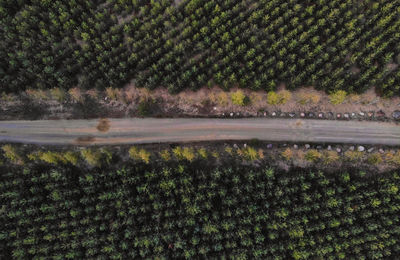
(191, 211)
(336, 44)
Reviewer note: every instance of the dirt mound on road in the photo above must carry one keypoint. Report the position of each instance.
(104, 125)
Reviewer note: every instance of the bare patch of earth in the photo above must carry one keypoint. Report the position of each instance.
(205, 102)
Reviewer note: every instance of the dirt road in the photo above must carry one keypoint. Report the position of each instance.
(136, 131)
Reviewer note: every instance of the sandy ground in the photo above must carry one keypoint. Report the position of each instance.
(153, 130)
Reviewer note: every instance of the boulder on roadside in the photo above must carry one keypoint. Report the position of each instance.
(361, 148)
(396, 115)
(380, 113)
(307, 146)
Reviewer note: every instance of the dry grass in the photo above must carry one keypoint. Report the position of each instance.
(304, 98)
(58, 94)
(131, 95)
(76, 94)
(93, 93)
(221, 98)
(330, 157)
(287, 154)
(37, 94)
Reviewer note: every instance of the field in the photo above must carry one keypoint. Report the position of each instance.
(190, 210)
(331, 45)
(208, 129)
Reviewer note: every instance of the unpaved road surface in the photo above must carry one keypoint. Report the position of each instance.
(152, 130)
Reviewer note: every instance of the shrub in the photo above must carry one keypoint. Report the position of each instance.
(215, 154)
(112, 93)
(279, 98)
(312, 155)
(272, 98)
(330, 157)
(188, 154)
(165, 155)
(144, 107)
(92, 157)
(284, 96)
(375, 159)
(37, 94)
(76, 94)
(222, 99)
(239, 98)
(229, 150)
(393, 158)
(139, 154)
(353, 155)
(248, 153)
(287, 154)
(337, 97)
(58, 94)
(202, 153)
(11, 153)
(93, 93)
(71, 157)
(260, 153)
(304, 98)
(52, 157)
(184, 154)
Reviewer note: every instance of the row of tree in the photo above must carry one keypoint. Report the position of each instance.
(190, 210)
(256, 44)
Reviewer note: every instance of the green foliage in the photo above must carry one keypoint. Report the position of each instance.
(144, 107)
(190, 44)
(239, 98)
(52, 157)
(312, 155)
(375, 159)
(272, 98)
(249, 154)
(282, 97)
(71, 157)
(239, 211)
(202, 153)
(165, 155)
(353, 156)
(11, 153)
(92, 157)
(338, 97)
(186, 153)
(139, 154)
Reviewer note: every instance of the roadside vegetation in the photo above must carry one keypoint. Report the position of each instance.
(254, 153)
